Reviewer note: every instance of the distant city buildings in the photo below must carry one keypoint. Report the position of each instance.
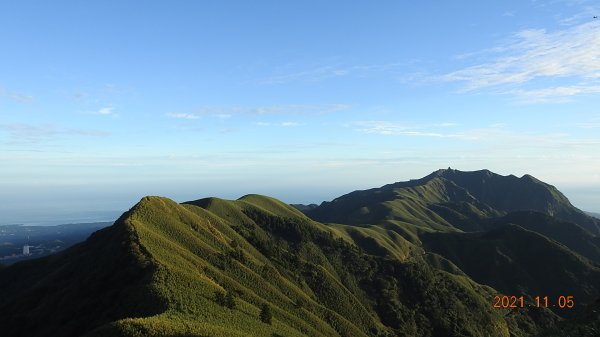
(26, 250)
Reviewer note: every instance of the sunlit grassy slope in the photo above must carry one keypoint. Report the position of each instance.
(425, 206)
(314, 279)
(164, 268)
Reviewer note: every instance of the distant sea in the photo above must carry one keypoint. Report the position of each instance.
(53, 219)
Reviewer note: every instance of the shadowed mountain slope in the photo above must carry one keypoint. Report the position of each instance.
(509, 193)
(448, 200)
(106, 278)
(592, 214)
(569, 234)
(516, 261)
(587, 324)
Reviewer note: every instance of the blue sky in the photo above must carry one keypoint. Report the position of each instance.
(103, 102)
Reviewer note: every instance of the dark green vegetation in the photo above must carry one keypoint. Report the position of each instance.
(451, 198)
(587, 324)
(106, 278)
(419, 258)
(43, 240)
(516, 261)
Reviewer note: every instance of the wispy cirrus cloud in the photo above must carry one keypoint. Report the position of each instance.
(561, 94)
(498, 134)
(404, 129)
(182, 115)
(283, 124)
(297, 109)
(330, 71)
(288, 124)
(23, 133)
(227, 112)
(105, 111)
(15, 96)
(521, 66)
(587, 10)
(592, 124)
(392, 128)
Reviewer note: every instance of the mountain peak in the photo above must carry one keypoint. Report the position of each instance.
(490, 191)
(450, 173)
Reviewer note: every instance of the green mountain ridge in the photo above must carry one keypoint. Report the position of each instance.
(410, 203)
(483, 193)
(403, 264)
(192, 253)
(509, 193)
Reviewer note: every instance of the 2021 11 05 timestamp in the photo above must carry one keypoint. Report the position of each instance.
(510, 302)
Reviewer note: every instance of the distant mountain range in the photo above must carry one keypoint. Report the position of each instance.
(428, 257)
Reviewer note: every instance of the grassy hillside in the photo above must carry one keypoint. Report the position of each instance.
(419, 258)
(208, 268)
(569, 234)
(434, 204)
(516, 261)
(109, 277)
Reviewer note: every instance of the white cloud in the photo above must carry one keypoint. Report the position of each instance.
(106, 111)
(397, 128)
(21, 133)
(498, 134)
(296, 109)
(588, 9)
(592, 124)
(572, 54)
(290, 124)
(554, 94)
(16, 96)
(330, 71)
(225, 112)
(284, 124)
(182, 115)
